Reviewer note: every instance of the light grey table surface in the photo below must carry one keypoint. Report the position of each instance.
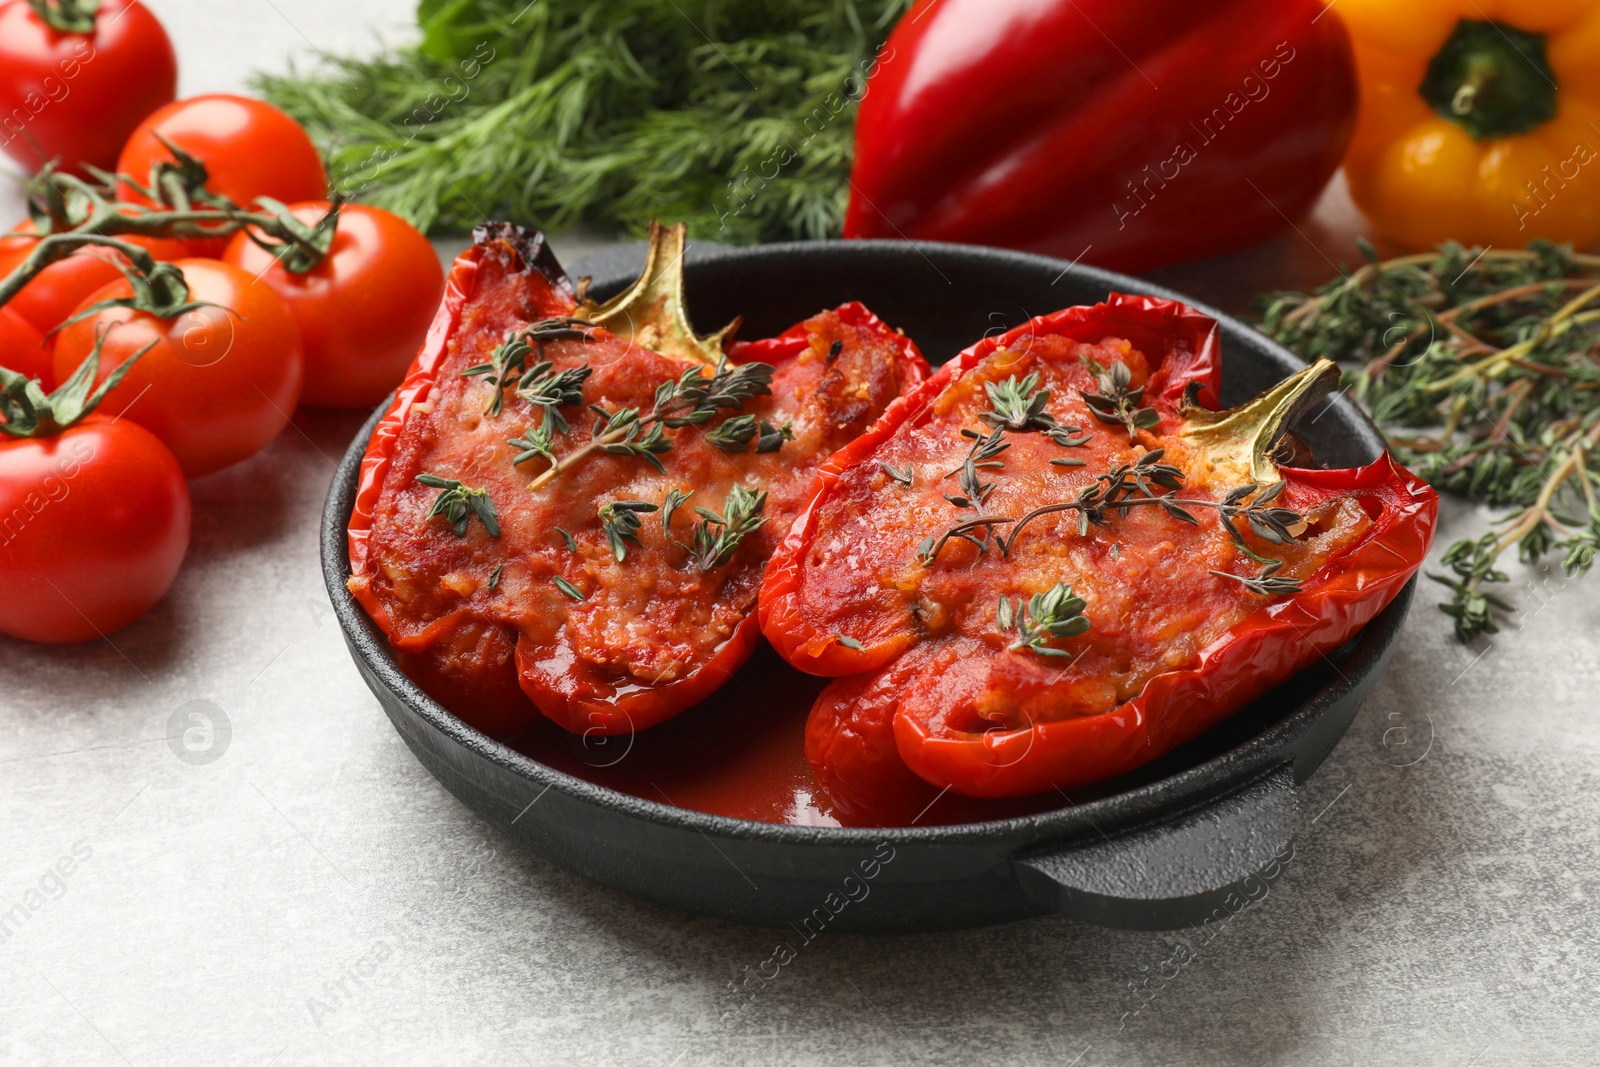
(314, 897)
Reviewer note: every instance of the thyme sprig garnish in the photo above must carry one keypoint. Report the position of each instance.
(623, 433)
(1267, 583)
(1044, 617)
(1116, 403)
(715, 538)
(457, 503)
(1131, 485)
(1019, 406)
(1110, 491)
(692, 399)
(539, 384)
(534, 443)
(736, 433)
(568, 590)
(982, 455)
(621, 523)
(1254, 504)
(676, 498)
(1484, 367)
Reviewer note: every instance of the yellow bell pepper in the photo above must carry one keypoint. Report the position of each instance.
(1480, 119)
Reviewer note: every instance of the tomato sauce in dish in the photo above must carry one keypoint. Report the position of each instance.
(741, 753)
(541, 613)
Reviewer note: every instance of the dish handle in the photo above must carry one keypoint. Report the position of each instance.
(1205, 865)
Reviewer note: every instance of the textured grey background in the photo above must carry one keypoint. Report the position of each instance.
(313, 897)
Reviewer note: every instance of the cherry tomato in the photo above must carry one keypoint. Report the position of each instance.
(250, 149)
(220, 383)
(22, 349)
(79, 96)
(94, 522)
(51, 298)
(364, 310)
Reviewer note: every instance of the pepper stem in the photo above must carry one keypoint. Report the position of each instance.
(1492, 80)
(652, 310)
(1250, 434)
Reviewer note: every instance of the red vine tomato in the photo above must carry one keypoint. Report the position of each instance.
(249, 147)
(221, 380)
(364, 310)
(94, 514)
(76, 89)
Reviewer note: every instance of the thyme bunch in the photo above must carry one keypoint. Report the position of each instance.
(1484, 368)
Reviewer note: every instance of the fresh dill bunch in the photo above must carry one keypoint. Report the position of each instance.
(735, 116)
(1484, 368)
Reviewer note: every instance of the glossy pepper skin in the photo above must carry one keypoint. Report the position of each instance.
(1128, 135)
(1478, 120)
(895, 727)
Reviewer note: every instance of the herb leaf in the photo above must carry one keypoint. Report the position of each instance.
(1116, 403)
(620, 520)
(1053, 614)
(771, 438)
(534, 443)
(669, 507)
(717, 537)
(457, 503)
(901, 476)
(735, 434)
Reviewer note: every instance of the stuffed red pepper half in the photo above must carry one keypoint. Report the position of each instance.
(569, 505)
(1056, 561)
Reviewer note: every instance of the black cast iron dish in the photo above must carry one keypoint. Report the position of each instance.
(1186, 837)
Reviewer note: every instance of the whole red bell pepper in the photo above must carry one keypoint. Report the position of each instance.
(1053, 562)
(1125, 134)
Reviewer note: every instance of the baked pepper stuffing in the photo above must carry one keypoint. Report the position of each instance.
(569, 504)
(1056, 561)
